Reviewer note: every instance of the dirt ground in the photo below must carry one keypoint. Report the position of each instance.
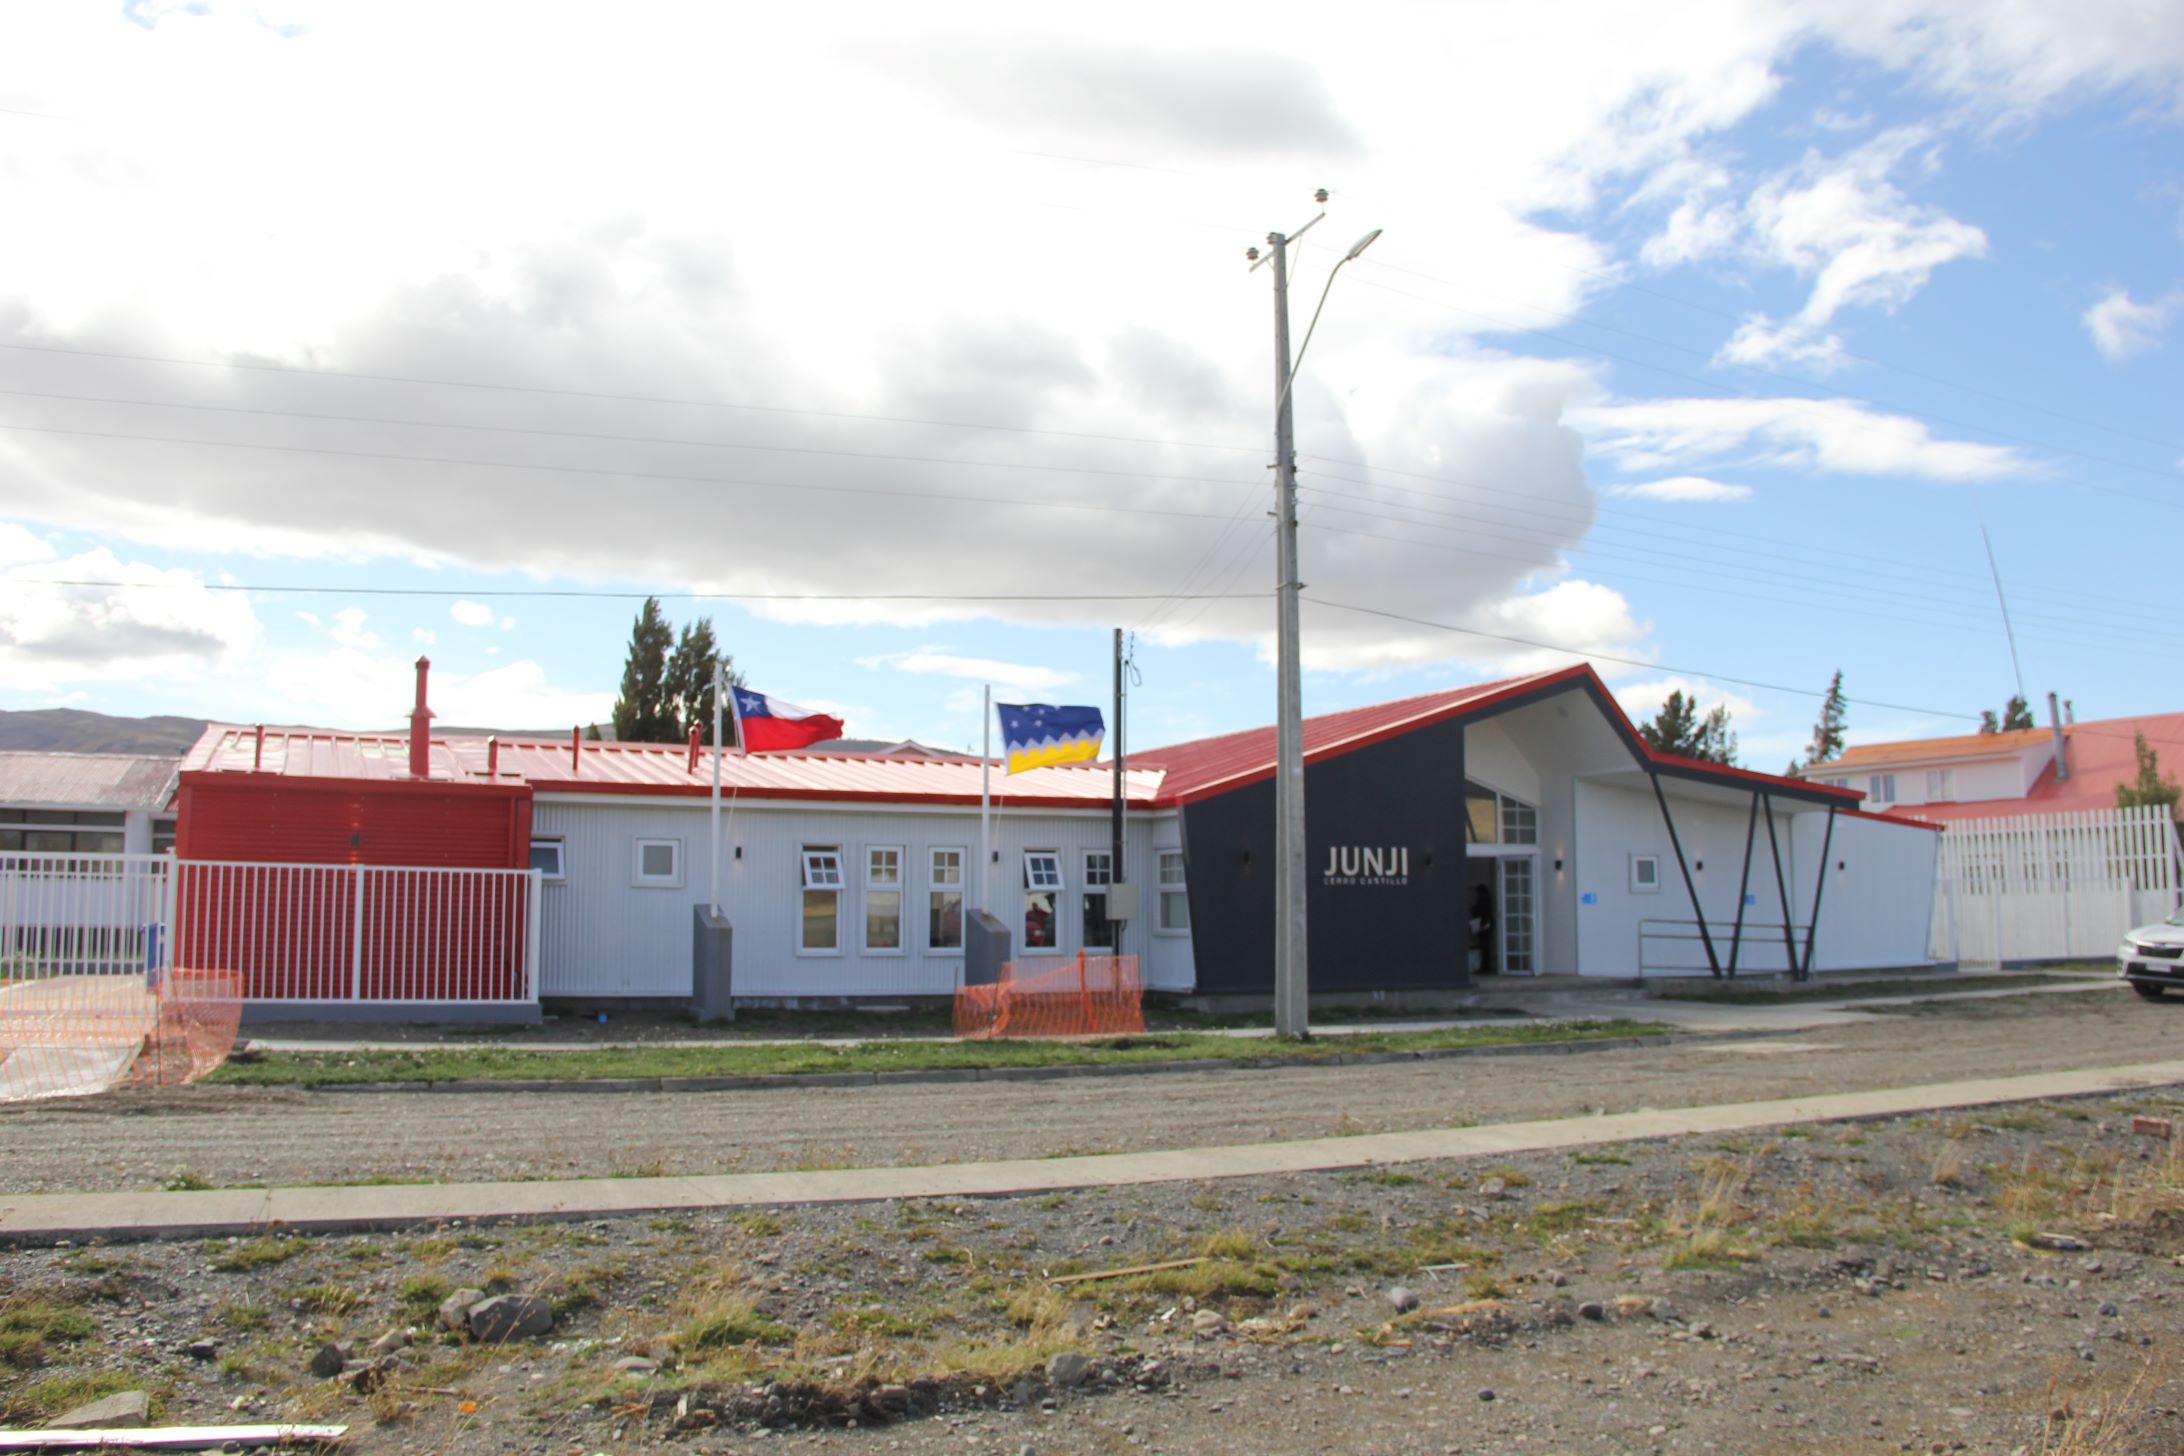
(229, 1136)
(1846, 1287)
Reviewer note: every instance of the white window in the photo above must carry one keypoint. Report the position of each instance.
(1175, 901)
(1836, 783)
(944, 900)
(546, 858)
(1099, 873)
(883, 898)
(821, 930)
(1519, 822)
(1884, 788)
(657, 864)
(1940, 783)
(1042, 898)
(1645, 874)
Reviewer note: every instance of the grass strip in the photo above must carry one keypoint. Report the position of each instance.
(1865, 990)
(505, 1063)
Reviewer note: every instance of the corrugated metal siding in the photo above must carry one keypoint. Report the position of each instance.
(602, 936)
(268, 820)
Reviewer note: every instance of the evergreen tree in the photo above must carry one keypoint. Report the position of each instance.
(1827, 734)
(2017, 714)
(2151, 786)
(1988, 723)
(591, 734)
(1680, 729)
(690, 678)
(643, 714)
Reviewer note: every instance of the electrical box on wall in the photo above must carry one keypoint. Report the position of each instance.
(1122, 902)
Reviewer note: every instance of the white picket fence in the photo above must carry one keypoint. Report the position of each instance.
(2031, 887)
(296, 934)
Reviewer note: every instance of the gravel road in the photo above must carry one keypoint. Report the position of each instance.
(231, 1135)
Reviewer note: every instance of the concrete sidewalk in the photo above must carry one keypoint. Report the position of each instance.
(1602, 1005)
(121, 1217)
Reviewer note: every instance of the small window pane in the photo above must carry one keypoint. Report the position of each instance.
(883, 920)
(1171, 867)
(883, 867)
(947, 867)
(1479, 814)
(822, 869)
(821, 930)
(1099, 931)
(49, 841)
(1175, 910)
(1039, 927)
(944, 920)
(546, 857)
(656, 861)
(1099, 867)
(1520, 822)
(1042, 870)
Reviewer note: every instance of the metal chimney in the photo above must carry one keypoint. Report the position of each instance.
(2062, 744)
(420, 727)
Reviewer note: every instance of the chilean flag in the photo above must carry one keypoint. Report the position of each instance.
(767, 725)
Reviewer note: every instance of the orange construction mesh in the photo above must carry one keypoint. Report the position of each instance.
(1087, 996)
(77, 1033)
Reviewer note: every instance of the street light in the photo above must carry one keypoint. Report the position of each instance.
(1291, 978)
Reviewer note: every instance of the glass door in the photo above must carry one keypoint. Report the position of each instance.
(1519, 915)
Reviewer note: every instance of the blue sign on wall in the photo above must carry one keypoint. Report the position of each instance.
(1588, 898)
(1748, 899)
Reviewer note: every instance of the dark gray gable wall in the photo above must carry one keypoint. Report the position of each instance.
(1404, 794)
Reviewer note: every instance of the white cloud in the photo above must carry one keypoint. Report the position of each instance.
(1019, 677)
(349, 629)
(1683, 488)
(350, 688)
(423, 636)
(471, 614)
(1836, 436)
(1841, 221)
(508, 624)
(2122, 328)
(19, 545)
(154, 623)
(1643, 700)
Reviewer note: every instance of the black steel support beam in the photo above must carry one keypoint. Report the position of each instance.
(1827, 847)
(1713, 962)
(1782, 886)
(1744, 883)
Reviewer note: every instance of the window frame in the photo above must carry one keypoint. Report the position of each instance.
(805, 854)
(1941, 786)
(1874, 783)
(1090, 888)
(1638, 887)
(1163, 887)
(560, 872)
(639, 880)
(873, 887)
(934, 886)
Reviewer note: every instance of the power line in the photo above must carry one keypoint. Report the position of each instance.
(603, 594)
(1585, 652)
(621, 474)
(682, 402)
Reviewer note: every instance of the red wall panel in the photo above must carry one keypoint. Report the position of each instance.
(329, 821)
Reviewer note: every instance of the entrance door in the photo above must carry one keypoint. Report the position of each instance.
(1519, 914)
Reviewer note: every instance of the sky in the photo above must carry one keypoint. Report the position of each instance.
(917, 348)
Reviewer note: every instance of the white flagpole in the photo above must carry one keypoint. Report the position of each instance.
(985, 805)
(735, 706)
(716, 788)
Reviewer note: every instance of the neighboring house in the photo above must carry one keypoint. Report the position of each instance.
(394, 869)
(86, 803)
(2060, 769)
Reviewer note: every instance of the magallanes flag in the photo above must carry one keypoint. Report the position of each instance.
(1037, 734)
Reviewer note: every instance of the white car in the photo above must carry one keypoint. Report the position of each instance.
(2151, 957)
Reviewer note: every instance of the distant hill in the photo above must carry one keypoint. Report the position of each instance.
(73, 730)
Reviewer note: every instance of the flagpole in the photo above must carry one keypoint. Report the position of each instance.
(716, 787)
(985, 805)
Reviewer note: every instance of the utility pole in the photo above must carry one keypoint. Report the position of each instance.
(1292, 979)
(1114, 871)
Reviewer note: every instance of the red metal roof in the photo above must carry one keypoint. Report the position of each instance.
(644, 768)
(1215, 765)
(1158, 778)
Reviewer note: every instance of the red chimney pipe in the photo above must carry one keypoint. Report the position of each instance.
(257, 754)
(420, 727)
(492, 759)
(693, 768)
(576, 750)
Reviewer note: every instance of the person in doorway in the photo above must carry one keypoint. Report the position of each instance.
(1482, 928)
